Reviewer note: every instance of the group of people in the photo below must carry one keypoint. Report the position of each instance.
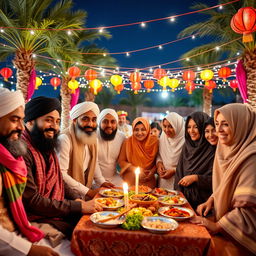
(49, 179)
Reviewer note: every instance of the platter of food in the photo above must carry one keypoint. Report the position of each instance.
(143, 199)
(164, 192)
(97, 216)
(142, 189)
(115, 193)
(175, 212)
(172, 200)
(109, 203)
(158, 224)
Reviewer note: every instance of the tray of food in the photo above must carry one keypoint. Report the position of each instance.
(175, 212)
(143, 199)
(164, 192)
(115, 193)
(109, 203)
(172, 200)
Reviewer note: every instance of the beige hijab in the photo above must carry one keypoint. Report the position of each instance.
(231, 162)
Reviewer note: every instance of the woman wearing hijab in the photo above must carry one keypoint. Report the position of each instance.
(234, 182)
(210, 132)
(139, 150)
(194, 171)
(170, 146)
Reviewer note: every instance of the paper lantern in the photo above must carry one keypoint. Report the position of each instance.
(159, 73)
(38, 82)
(244, 22)
(233, 84)
(164, 82)
(55, 81)
(210, 85)
(90, 74)
(119, 88)
(74, 72)
(136, 86)
(95, 84)
(6, 73)
(190, 87)
(174, 83)
(135, 77)
(206, 75)
(149, 84)
(224, 72)
(116, 80)
(189, 75)
(73, 85)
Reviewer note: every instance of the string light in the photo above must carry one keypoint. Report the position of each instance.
(2, 31)
(101, 30)
(193, 37)
(32, 32)
(127, 54)
(143, 24)
(217, 48)
(69, 32)
(172, 19)
(160, 47)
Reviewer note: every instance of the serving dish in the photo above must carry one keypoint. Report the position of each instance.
(176, 212)
(112, 192)
(143, 199)
(109, 203)
(95, 217)
(172, 200)
(164, 192)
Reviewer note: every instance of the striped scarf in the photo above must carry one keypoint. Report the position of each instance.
(14, 174)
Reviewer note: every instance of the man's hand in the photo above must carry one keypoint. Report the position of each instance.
(90, 206)
(168, 174)
(92, 192)
(39, 250)
(188, 180)
(204, 208)
(160, 169)
(213, 227)
(107, 184)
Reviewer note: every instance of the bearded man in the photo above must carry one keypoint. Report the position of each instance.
(78, 151)
(110, 140)
(45, 197)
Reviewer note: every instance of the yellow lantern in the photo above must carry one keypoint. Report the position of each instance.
(116, 80)
(38, 82)
(174, 83)
(95, 84)
(73, 85)
(206, 75)
(164, 82)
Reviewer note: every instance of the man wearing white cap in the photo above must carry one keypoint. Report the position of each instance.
(110, 140)
(78, 155)
(123, 126)
(13, 172)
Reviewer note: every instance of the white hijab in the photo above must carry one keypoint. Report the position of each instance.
(170, 148)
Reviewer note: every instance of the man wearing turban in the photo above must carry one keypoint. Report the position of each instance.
(13, 172)
(123, 126)
(110, 140)
(78, 151)
(45, 197)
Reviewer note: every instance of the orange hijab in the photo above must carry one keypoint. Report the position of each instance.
(142, 153)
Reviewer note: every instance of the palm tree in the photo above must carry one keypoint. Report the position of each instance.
(105, 97)
(217, 28)
(134, 100)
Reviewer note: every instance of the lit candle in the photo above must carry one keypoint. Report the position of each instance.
(125, 188)
(137, 174)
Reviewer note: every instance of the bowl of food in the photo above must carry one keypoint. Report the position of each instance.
(112, 192)
(113, 223)
(158, 224)
(109, 203)
(142, 189)
(143, 199)
(175, 212)
(172, 200)
(164, 192)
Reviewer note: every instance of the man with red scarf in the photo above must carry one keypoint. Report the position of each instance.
(16, 233)
(46, 198)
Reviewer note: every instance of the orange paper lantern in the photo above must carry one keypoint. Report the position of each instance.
(224, 72)
(90, 74)
(189, 75)
(119, 88)
(233, 84)
(210, 85)
(74, 72)
(136, 86)
(149, 84)
(190, 87)
(244, 22)
(55, 81)
(135, 77)
(159, 73)
(6, 73)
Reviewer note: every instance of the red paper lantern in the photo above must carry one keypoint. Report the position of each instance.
(55, 81)
(244, 22)
(135, 77)
(189, 75)
(224, 72)
(233, 84)
(190, 87)
(6, 73)
(119, 88)
(149, 84)
(74, 72)
(90, 74)
(210, 85)
(136, 87)
(159, 73)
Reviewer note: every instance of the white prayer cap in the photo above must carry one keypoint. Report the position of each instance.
(9, 101)
(82, 108)
(106, 111)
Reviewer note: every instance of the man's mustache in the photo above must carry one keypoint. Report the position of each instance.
(50, 130)
(13, 132)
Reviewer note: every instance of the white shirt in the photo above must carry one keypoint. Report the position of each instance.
(108, 152)
(64, 158)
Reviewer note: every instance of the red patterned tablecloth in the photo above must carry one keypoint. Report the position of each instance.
(187, 240)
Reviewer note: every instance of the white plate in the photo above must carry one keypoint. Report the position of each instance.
(120, 203)
(112, 192)
(169, 202)
(174, 224)
(95, 217)
(165, 208)
(169, 191)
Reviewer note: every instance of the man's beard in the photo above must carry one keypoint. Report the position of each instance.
(106, 136)
(15, 147)
(86, 137)
(42, 143)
